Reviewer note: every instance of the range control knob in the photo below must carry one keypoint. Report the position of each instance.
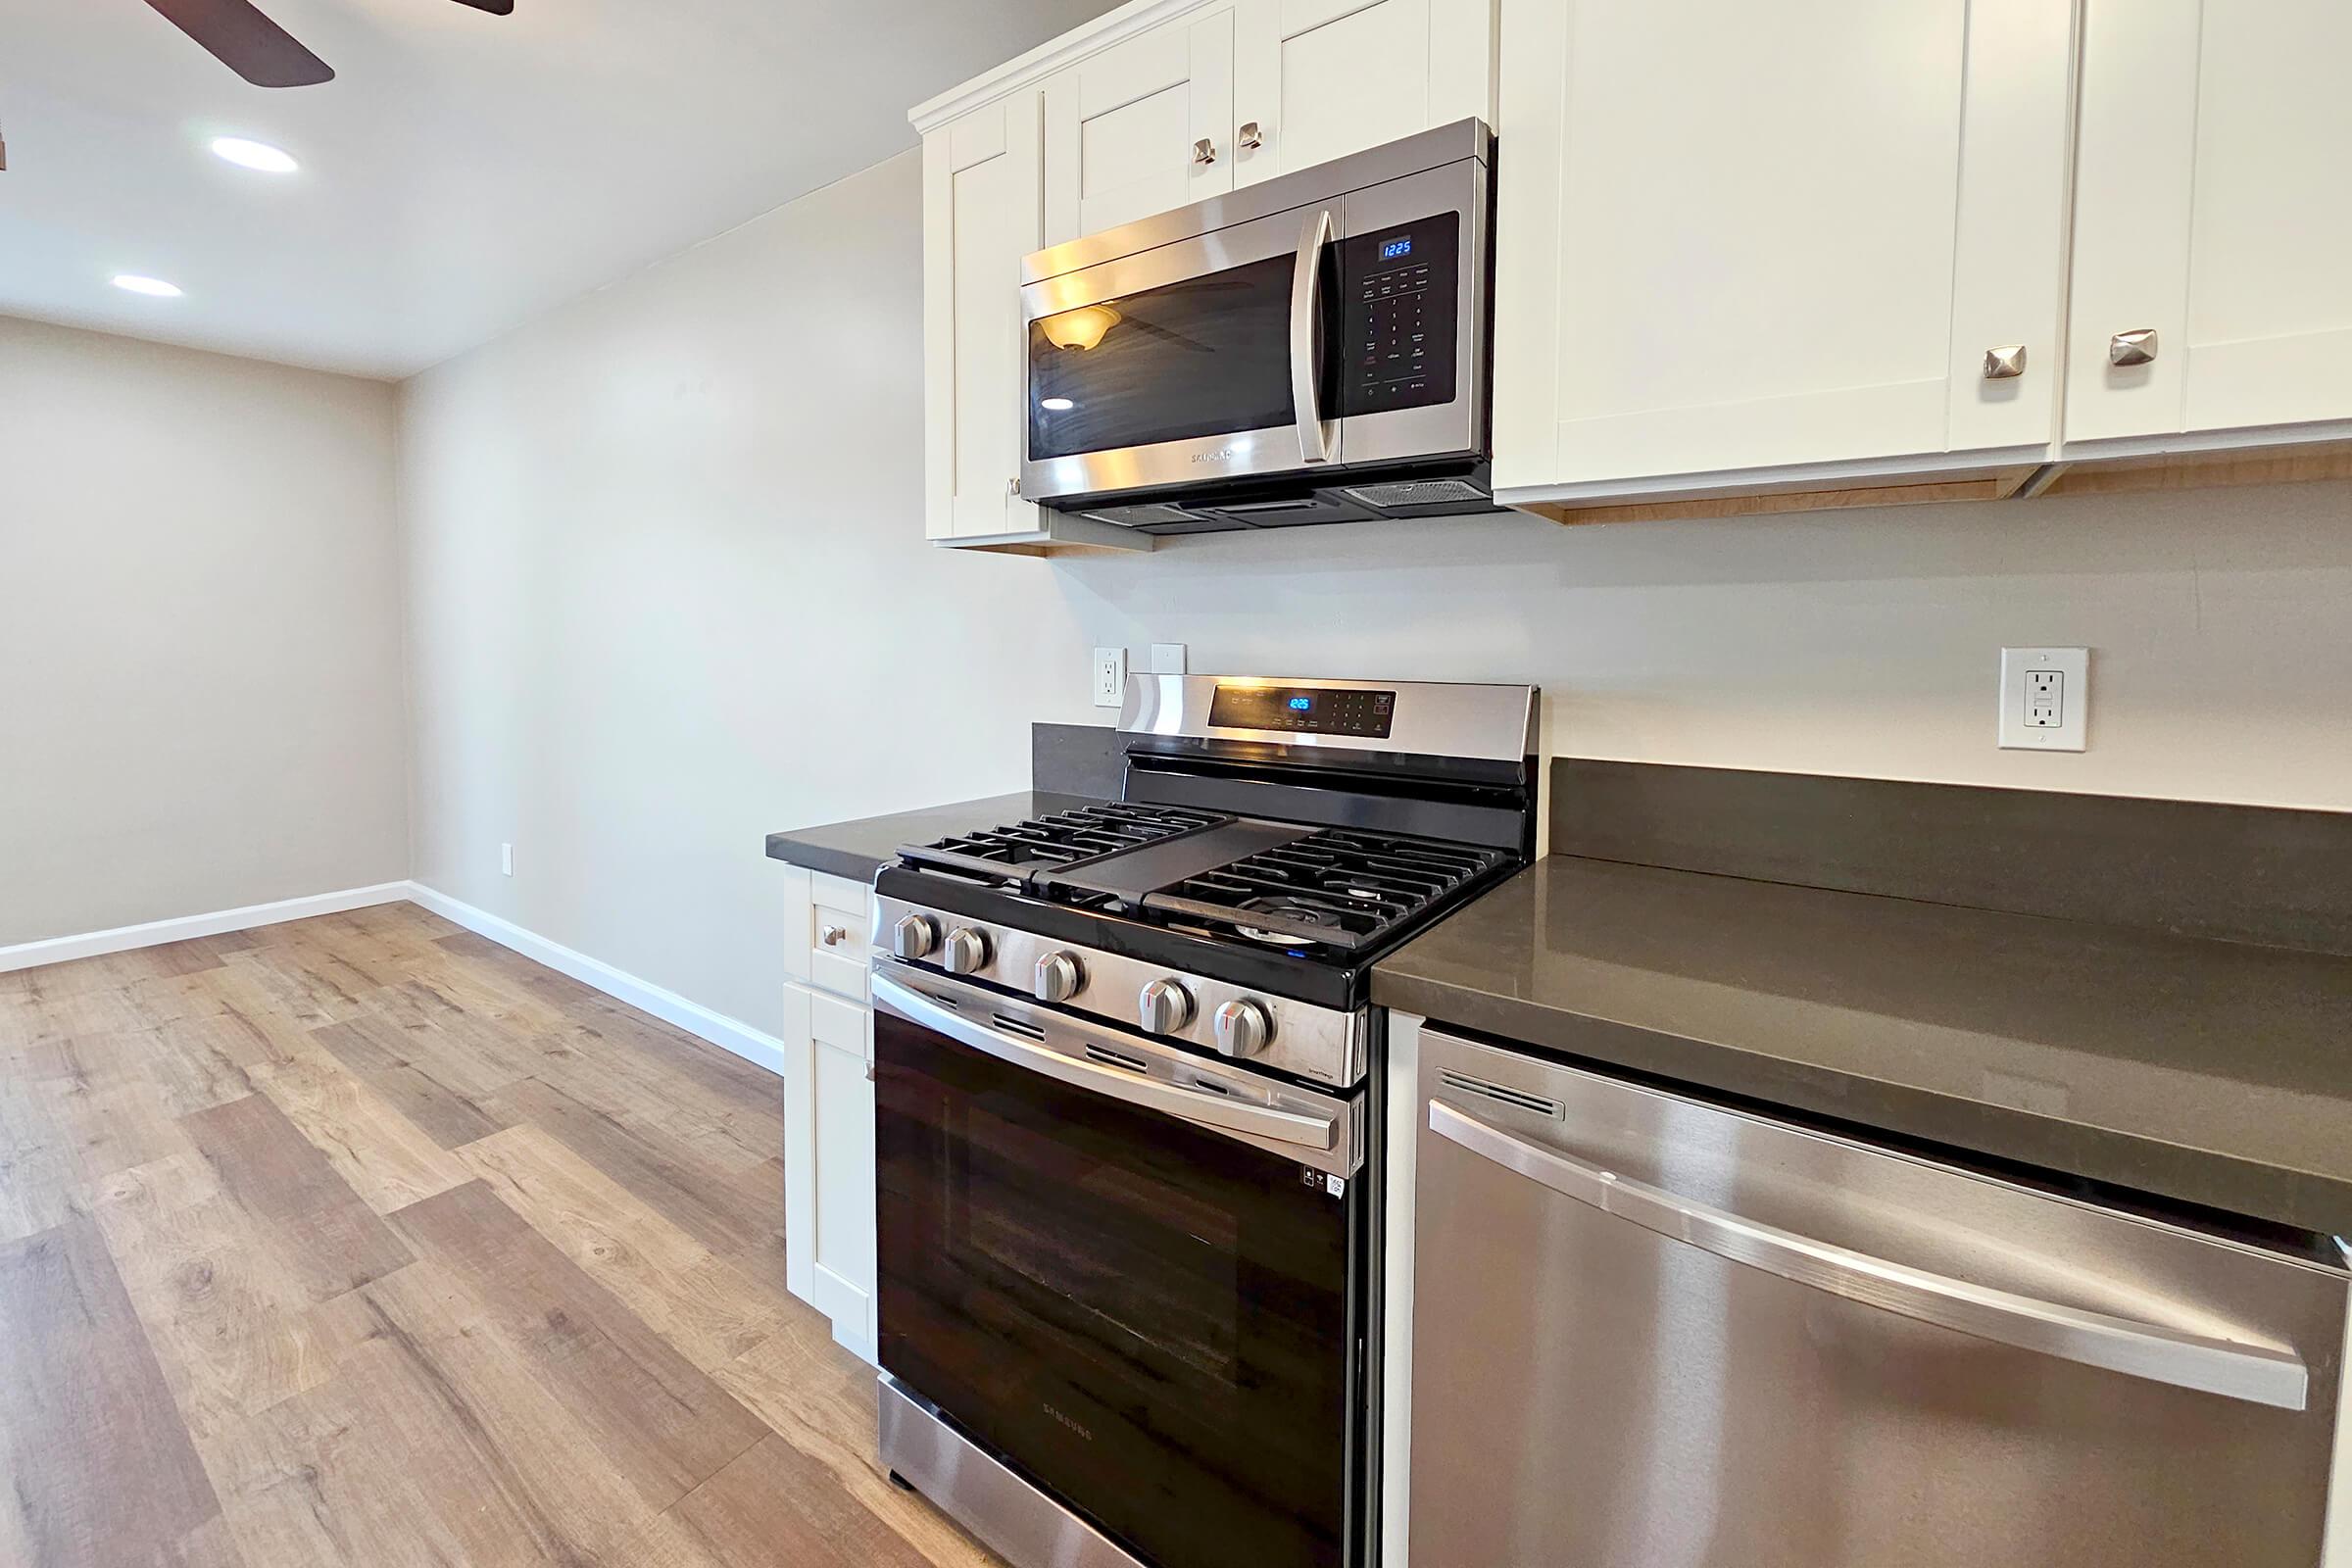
(966, 952)
(1243, 1028)
(913, 937)
(1163, 1008)
(1058, 977)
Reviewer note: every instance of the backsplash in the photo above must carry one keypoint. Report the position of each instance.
(1864, 642)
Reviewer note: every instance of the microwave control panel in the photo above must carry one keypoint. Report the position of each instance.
(1398, 293)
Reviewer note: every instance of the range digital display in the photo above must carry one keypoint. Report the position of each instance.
(1310, 710)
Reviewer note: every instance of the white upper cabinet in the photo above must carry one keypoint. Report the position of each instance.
(1317, 79)
(2212, 211)
(981, 215)
(1144, 127)
(1735, 236)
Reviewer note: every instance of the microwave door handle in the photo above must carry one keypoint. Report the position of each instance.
(2253, 1373)
(1307, 333)
(1201, 1107)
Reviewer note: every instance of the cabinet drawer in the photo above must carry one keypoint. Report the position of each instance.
(838, 914)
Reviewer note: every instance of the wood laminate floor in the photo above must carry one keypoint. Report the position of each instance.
(363, 1241)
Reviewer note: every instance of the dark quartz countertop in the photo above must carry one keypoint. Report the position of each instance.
(857, 849)
(2200, 1071)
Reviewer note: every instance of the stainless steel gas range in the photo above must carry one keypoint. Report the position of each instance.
(1128, 1118)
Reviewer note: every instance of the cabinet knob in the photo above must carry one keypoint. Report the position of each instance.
(2135, 347)
(831, 935)
(2005, 363)
(1250, 136)
(1012, 486)
(1204, 151)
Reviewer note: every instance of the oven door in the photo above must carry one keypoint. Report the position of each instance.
(1133, 1274)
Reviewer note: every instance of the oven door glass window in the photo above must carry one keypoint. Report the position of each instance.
(1204, 355)
(1147, 1317)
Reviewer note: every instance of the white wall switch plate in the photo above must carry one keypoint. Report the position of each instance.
(2045, 699)
(1111, 677)
(506, 859)
(1167, 659)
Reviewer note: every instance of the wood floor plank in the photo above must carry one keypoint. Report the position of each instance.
(83, 1405)
(106, 1114)
(712, 1202)
(775, 1504)
(652, 1413)
(704, 1305)
(823, 1402)
(383, 1156)
(329, 1238)
(309, 986)
(229, 1316)
(404, 1072)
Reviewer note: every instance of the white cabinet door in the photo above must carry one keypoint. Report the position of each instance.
(982, 207)
(1317, 79)
(1736, 236)
(1142, 128)
(2211, 208)
(829, 1257)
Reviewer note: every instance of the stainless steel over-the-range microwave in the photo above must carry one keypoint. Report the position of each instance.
(1309, 349)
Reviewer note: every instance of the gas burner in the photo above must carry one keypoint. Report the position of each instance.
(1005, 855)
(1337, 888)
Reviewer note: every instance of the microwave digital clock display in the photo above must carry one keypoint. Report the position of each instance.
(1395, 248)
(1312, 710)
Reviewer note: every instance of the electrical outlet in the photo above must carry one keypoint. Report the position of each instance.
(506, 859)
(1167, 659)
(1111, 677)
(2045, 698)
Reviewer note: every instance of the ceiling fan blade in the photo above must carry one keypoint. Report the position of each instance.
(497, 8)
(247, 42)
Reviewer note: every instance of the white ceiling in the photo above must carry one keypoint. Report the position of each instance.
(462, 172)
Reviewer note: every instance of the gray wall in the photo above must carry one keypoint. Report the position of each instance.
(200, 662)
(668, 593)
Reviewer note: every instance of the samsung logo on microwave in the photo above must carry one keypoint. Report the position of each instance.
(1221, 454)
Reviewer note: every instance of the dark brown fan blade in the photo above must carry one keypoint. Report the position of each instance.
(497, 8)
(247, 42)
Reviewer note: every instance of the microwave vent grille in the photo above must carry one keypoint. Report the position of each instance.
(1415, 493)
(1140, 516)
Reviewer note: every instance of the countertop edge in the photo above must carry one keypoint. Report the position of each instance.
(2110, 1157)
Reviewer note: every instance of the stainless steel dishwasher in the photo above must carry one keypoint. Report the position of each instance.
(1652, 1332)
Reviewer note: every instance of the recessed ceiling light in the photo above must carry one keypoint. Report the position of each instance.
(147, 286)
(1057, 405)
(255, 154)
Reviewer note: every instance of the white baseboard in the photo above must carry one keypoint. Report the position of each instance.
(155, 932)
(728, 1034)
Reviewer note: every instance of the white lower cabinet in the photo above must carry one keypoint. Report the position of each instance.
(829, 1107)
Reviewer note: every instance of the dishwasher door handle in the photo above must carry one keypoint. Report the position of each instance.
(2254, 1373)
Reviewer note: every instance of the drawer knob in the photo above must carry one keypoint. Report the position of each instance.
(2005, 364)
(833, 934)
(1250, 136)
(2135, 347)
(1204, 151)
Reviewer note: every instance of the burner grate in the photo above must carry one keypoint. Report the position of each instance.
(1008, 853)
(1338, 887)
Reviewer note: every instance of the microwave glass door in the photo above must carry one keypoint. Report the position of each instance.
(1204, 355)
(1146, 1316)
(1178, 365)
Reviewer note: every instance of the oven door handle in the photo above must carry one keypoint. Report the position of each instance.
(1199, 1106)
(1306, 339)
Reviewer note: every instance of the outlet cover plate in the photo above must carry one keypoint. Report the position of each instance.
(1111, 677)
(1167, 659)
(2045, 699)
